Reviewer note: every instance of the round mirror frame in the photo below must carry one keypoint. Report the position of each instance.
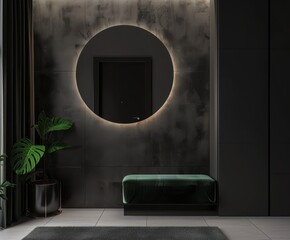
(125, 41)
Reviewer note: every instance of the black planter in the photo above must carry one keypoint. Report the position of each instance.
(1, 219)
(44, 197)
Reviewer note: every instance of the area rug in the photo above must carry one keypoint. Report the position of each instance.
(126, 233)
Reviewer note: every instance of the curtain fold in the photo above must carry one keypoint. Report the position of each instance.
(18, 91)
(2, 175)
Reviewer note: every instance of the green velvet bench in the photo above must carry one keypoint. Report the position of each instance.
(176, 193)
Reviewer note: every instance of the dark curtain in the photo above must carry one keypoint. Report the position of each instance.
(18, 91)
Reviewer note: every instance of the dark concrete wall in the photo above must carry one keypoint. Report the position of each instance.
(243, 107)
(174, 140)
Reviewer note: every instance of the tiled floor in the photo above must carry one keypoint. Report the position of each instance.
(236, 228)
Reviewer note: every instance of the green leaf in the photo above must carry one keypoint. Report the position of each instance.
(3, 186)
(3, 196)
(59, 124)
(3, 157)
(46, 124)
(43, 125)
(56, 146)
(37, 173)
(7, 184)
(41, 116)
(25, 156)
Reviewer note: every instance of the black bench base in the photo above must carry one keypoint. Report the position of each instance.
(170, 210)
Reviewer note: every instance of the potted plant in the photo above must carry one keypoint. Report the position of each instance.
(3, 186)
(43, 192)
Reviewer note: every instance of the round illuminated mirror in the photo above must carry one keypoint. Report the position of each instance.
(124, 74)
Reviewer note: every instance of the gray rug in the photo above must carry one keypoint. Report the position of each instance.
(126, 233)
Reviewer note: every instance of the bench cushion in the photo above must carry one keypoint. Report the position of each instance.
(169, 189)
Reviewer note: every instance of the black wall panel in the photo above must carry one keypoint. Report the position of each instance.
(243, 24)
(243, 107)
(279, 106)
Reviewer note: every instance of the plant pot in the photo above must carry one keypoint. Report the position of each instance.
(44, 197)
(1, 219)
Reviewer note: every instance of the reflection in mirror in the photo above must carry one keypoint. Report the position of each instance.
(123, 91)
(124, 74)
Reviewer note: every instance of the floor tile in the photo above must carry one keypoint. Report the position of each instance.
(274, 227)
(72, 223)
(32, 222)
(80, 214)
(81, 209)
(237, 228)
(243, 233)
(15, 233)
(228, 221)
(76, 218)
(22, 228)
(115, 217)
(177, 221)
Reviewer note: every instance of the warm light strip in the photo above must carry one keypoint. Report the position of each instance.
(159, 111)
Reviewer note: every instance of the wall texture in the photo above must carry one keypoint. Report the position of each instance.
(174, 140)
